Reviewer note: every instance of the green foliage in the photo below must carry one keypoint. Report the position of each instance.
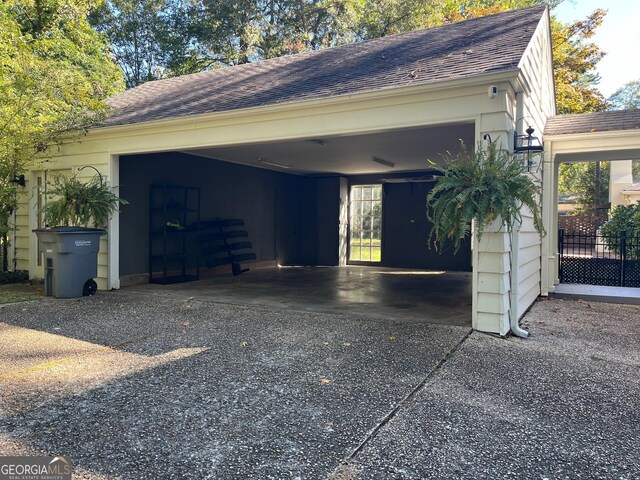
(17, 276)
(76, 203)
(146, 36)
(626, 97)
(153, 39)
(624, 218)
(55, 72)
(574, 62)
(488, 186)
(581, 179)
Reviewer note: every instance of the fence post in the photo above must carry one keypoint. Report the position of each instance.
(560, 252)
(623, 256)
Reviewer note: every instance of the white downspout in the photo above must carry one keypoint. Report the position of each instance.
(514, 237)
(515, 273)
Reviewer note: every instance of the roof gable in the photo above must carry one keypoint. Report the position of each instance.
(480, 46)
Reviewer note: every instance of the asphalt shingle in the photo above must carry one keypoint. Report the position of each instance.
(474, 47)
(593, 122)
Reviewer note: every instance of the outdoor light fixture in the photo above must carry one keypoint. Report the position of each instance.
(19, 179)
(529, 148)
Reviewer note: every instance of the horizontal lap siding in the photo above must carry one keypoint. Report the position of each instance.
(65, 165)
(22, 230)
(529, 251)
(538, 105)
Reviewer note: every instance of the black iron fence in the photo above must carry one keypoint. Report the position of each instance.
(593, 259)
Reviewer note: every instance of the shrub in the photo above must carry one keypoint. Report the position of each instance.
(17, 276)
(624, 218)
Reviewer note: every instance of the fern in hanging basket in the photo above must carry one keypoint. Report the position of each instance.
(487, 186)
(76, 203)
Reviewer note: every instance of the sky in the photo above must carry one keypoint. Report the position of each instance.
(619, 36)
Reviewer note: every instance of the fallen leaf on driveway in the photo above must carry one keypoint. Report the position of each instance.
(325, 381)
(244, 344)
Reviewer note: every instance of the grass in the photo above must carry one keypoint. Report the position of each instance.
(20, 292)
(368, 254)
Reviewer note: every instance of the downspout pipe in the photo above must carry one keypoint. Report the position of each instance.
(514, 238)
(513, 259)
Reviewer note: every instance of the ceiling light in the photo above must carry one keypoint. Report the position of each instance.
(425, 179)
(266, 161)
(386, 163)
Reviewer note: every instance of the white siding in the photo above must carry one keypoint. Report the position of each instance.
(538, 104)
(22, 230)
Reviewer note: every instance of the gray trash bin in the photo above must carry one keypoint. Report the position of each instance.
(70, 260)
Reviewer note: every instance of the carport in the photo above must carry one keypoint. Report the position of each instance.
(288, 146)
(296, 200)
(297, 207)
(590, 137)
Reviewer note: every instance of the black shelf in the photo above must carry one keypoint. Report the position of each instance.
(174, 252)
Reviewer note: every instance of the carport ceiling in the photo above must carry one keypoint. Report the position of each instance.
(386, 152)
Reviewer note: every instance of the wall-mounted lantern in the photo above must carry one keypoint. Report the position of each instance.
(19, 179)
(529, 148)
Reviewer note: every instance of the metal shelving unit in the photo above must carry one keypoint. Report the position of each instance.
(174, 219)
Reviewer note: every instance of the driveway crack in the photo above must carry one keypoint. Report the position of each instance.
(404, 401)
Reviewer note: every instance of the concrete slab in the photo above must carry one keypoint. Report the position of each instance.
(561, 404)
(146, 387)
(430, 296)
(598, 293)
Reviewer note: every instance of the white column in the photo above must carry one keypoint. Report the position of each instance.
(343, 227)
(491, 266)
(620, 177)
(549, 209)
(492, 274)
(113, 280)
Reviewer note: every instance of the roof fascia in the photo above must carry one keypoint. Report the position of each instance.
(591, 135)
(507, 75)
(523, 85)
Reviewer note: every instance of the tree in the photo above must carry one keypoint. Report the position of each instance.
(589, 181)
(54, 73)
(146, 36)
(158, 38)
(574, 56)
(626, 98)
(574, 62)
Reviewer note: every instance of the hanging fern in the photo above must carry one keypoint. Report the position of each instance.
(76, 203)
(488, 185)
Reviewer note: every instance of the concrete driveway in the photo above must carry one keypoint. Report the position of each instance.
(150, 386)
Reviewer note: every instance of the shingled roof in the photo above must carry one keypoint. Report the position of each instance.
(474, 47)
(593, 122)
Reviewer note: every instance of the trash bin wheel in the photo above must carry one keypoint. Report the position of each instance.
(90, 288)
